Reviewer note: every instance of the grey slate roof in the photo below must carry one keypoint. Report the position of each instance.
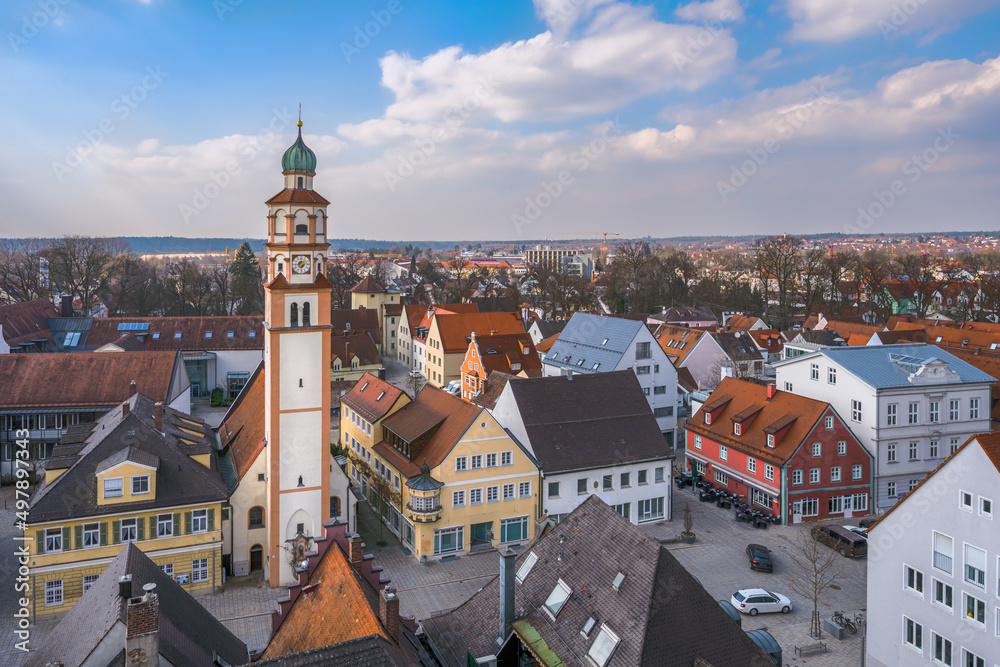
(583, 338)
(662, 615)
(738, 346)
(873, 366)
(180, 480)
(593, 420)
(130, 453)
(373, 651)
(549, 328)
(188, 632)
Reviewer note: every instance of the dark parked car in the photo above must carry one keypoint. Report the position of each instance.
(760, 558)
(868, 521)
(847, 543)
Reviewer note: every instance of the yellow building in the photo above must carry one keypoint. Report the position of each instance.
(447, 336)
(143, 473)
(368, 294)
(442, 473)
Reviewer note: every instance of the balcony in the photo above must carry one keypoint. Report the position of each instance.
(942, 562)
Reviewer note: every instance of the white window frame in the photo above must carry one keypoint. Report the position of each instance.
(828, 423)
(973, 408)
(817, 450)
(831, 375)
(945, 588)
(53, 593)
(139, 479)
(122, 527)
(458, 498)
(913, 413)
(199, 521)
(975, 580)
(557, 599)
(524, 489)
(985, 513)
(721, 478)
(979, 603)
(962, 494)
(951, 650)
(476, 496)
(855, 410)
(841, 448)
(510, 495)
(697, 442)
(92, 534)
(461, 463)
(491, 460)
(199, 570)
(954, 409)
(857, 471)
(598, 653)
(917, 645)
(934, 412)
(89, 580)
(723, 453)
(890, 414)
(910, 572)
(814, 372)
(476, 462)
(835, 473)
(815, 475)
(797, 478)
(769, 472)
(751, 465)
(121, 487)
(165, 520)
(507, 458)
(53, 536)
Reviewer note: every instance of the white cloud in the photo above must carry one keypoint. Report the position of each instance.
(840, 20)
(725, 11)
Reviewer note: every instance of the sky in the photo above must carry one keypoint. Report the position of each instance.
(502, 119)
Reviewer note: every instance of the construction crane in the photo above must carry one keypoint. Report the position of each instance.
(604, 246)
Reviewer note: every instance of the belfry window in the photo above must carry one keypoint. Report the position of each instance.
(295, 315)
(301, 229)
(305, 314)
(300, 186)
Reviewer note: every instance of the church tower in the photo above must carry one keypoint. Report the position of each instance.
(296, 362)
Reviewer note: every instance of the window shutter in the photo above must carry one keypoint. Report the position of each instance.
(116, 531)
(140, 528)
(211, 519)
(66, 544)
(153, 533)
(177, 524)
(187, 523)
(79, 536)
(104, 533)
(40, 538)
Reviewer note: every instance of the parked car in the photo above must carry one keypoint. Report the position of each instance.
(760, 558)
(755, 601)
(868, 521)
(856, 531)
(847, 543)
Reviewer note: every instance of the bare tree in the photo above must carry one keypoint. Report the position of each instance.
(837, 265)
(817, 567)
(917, 273)
(871, 269)
(414, 383)
(778, 264)
(812, 277)
(81, 266)
(22, 274)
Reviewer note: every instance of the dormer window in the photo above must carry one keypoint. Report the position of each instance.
(708, 419)
(737, 429)
(140, 484)
(770, 440)
(114, 487)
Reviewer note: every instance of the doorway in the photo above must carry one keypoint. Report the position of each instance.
(256, 558)
(482, 533)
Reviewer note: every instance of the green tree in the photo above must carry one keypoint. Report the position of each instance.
(247, 291)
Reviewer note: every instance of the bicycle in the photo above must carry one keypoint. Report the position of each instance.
(844, 622)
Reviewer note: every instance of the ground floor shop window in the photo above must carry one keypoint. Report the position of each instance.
(449, 539)
(513, 530)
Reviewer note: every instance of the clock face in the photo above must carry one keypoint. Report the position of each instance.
(301, 264)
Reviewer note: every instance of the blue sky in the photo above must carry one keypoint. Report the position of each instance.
(502, 120)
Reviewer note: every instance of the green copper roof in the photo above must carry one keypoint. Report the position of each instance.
(299, 157)
(531, 638)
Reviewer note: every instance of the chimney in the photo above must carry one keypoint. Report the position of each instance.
(158, 416)
(132, 389)
(772, 390)
(67, 306)
(355, 552)
(142, 629)
(507, 557)
(125, 586)
(125, 409)
(388, 611)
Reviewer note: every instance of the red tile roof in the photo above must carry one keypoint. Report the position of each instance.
(498, 352)
(335, 611)
(242, 429)
(26, 321)
(455, 329)
(369, 286)
(348, 346)
(294, 196)
(748, 397)
(358, 320)
(196, 333)
(741, 323)
(677, 341)
(433, 409)
(371, 397)
(546, 345)
(81, 379)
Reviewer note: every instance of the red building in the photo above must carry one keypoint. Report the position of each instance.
(787, 454)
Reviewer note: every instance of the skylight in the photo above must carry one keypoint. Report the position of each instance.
(156, 335)
(604, 342)
(177, 334)
(596, 365)
(604, 646)
(229, 334)
(365, 386)
(253, 334)
(526, 566)
(380, 397)
(133, 326)
(208, 334)
(557, 599)
(588, 626)
(579, 362)
(619, 580)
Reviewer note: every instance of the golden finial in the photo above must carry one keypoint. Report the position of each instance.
(300, 115)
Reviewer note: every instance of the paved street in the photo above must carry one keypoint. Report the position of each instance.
(244, 606)
(718, 559)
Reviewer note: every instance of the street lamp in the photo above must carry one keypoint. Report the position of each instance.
(862, 624)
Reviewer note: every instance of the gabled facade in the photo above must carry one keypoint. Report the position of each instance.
(446, 339)
(787, 455)
(513, 354)
(444, 475)
(934, 566)
(143, 474)
(353, 356)
(591, 435)
(910, 405)
(595, 344)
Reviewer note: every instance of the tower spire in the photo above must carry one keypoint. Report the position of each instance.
(300, 118)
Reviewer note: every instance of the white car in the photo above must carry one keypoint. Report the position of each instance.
(755, 601)
(856, 530)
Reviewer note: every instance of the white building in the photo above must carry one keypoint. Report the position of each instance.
(910, 405)
(591, 435)
(595, 344)
(934, 567)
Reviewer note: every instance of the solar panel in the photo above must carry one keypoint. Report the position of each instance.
(133, 326)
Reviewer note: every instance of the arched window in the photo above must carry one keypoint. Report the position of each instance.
(319, 267)
(305, 314)
(300, 182)
(255, 517)
(301, 229)
(295, 314)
